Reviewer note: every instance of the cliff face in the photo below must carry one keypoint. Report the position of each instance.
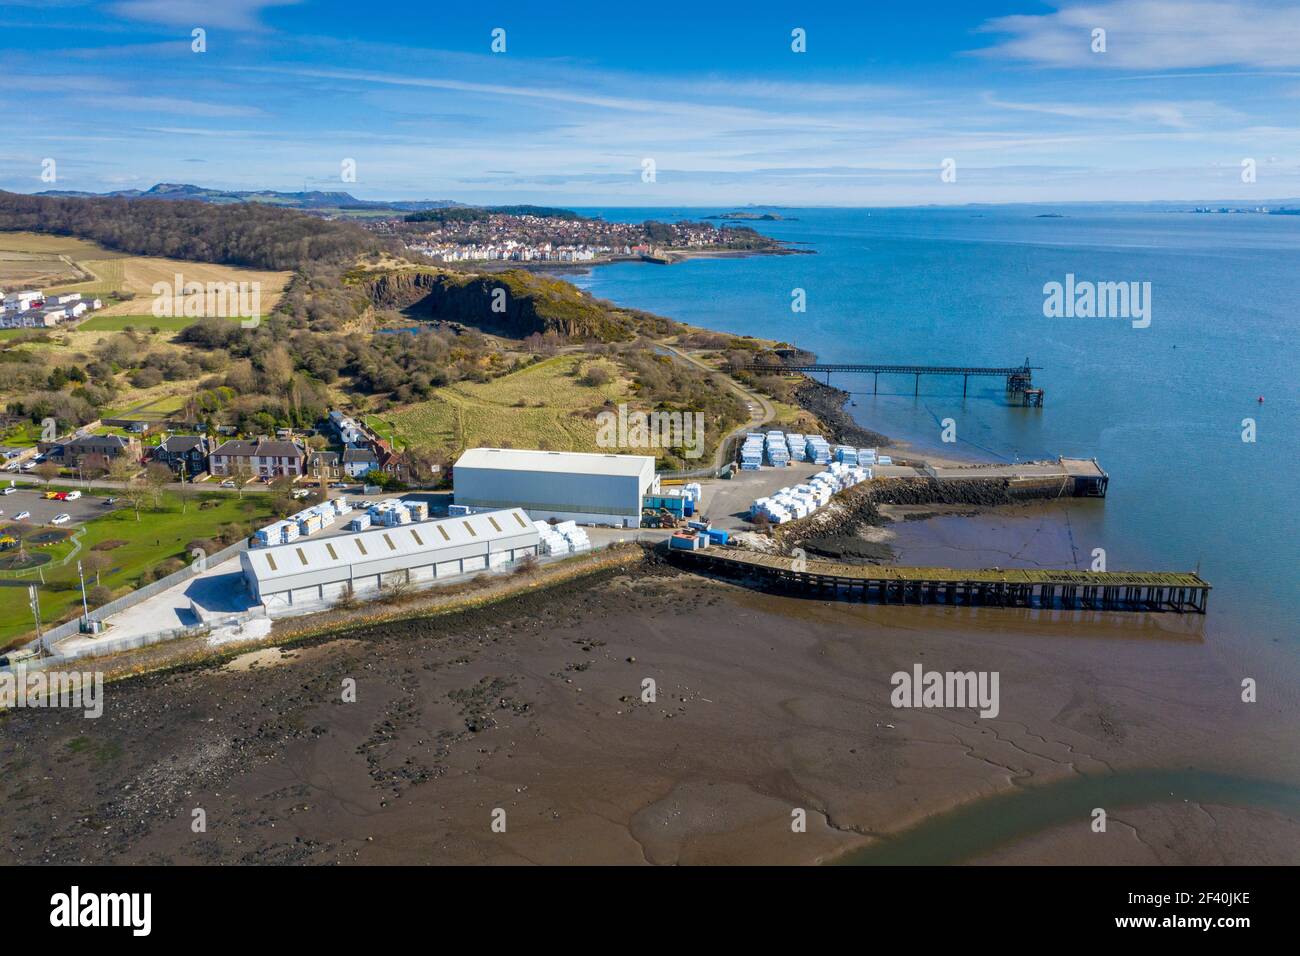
(513, 303)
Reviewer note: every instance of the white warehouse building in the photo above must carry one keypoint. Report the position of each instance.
(320, 571)
(577, 486)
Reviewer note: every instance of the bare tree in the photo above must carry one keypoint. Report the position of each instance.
(96, 562)
(156, 479)
(134, 491)
(47, 471)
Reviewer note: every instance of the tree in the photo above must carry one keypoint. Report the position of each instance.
(47, 471)
(134, 491)
(425, 464)
(156, 478)
(96, 562)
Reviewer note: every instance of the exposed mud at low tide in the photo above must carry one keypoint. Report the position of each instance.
(538, 707)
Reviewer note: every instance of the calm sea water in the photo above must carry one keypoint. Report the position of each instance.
(1161, 408)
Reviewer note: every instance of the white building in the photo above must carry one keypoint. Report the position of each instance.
(22, 301)
(590, 488)
(318, 572)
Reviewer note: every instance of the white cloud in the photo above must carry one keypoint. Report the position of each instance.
(227, 14)
(1155, 35)
(168, 104)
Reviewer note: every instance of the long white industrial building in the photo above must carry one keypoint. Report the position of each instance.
(320, 571)
(577, 486)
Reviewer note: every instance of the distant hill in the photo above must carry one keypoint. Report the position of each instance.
(257, 235)
(312, 199)
(461, 213)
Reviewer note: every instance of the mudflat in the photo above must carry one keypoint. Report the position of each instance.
(530, 713)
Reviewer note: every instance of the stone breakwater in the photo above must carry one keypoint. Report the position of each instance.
(827, 530)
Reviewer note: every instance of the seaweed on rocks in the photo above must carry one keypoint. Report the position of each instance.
(827, 403)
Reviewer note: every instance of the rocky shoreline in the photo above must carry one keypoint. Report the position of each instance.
(827, 403)
(834, 531)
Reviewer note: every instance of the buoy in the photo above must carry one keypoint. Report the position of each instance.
(1260, 399)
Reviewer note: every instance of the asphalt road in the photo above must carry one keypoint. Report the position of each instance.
(762, 409)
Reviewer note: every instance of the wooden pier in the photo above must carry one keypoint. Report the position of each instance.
(1180, 592)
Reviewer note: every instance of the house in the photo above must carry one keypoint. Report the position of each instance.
(91, 451)
(390, 462)
(22, 301)
(359, 462)
(31, 319)
(326, 464)
(349, 431)
(263, 457)
(184, 454)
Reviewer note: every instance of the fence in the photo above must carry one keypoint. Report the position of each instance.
(73, 627)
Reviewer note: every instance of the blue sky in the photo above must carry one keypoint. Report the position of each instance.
(711, 92)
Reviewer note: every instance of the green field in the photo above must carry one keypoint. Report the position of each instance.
(22, 435)
(156, 537)
(119, 323)
(544, 406)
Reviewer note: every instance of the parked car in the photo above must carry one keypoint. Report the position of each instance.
(227, 484)
(301, 493)
(22, 515)
(73, 495)
(61, 519)
(9, 491)
(12, 466)
(110, 501)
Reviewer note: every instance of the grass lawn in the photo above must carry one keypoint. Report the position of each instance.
(25, 434)
(541, 406)
(157, 536)
(120, 323)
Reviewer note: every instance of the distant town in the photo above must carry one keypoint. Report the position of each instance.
(558, 236)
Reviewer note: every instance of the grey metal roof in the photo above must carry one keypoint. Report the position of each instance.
(377, 550)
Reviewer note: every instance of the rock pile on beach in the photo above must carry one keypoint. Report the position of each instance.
(832, 531)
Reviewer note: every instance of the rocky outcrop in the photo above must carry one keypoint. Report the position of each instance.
(512, 303)
(827, 403)
(824, 531)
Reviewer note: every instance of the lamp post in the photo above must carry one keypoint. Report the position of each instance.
(85, 606)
